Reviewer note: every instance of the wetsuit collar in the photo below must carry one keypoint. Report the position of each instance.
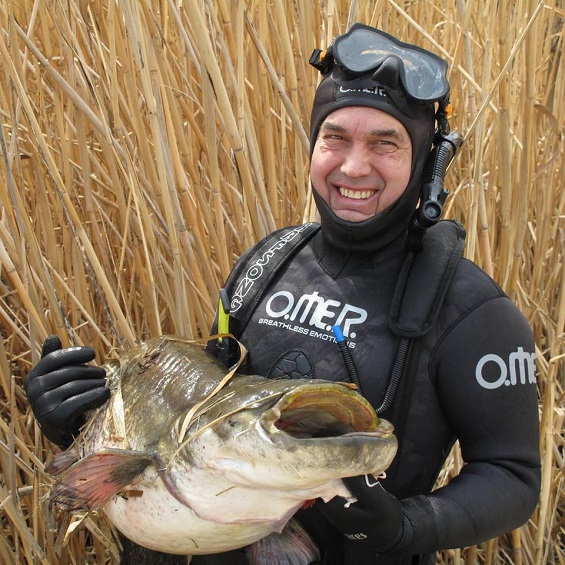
(348, 245)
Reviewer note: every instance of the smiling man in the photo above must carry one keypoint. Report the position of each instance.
(435, 345)
(361, 162)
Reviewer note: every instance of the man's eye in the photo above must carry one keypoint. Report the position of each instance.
(384, 145)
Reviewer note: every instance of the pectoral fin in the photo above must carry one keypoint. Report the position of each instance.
(94, 480)
(292, 546)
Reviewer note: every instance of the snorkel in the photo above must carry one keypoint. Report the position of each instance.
(433, 193)
(367, 67)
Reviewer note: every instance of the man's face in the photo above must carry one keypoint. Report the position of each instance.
(361, 162)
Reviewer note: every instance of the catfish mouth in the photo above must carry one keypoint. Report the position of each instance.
(326, 411)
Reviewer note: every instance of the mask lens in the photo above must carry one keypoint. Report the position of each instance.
(365, 49)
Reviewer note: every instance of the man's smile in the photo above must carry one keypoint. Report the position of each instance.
(355, 194)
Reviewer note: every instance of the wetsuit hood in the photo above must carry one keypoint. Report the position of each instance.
(335, 92)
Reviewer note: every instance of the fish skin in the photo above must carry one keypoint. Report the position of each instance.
(234, 476)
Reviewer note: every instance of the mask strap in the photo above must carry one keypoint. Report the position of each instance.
(442, 115)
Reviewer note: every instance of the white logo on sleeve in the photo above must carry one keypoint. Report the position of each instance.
(520, 368)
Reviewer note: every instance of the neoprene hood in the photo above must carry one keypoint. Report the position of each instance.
(338, 89)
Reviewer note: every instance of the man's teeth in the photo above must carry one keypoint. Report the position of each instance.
(355, 194)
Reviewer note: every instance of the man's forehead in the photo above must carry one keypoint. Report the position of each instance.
(371, 120)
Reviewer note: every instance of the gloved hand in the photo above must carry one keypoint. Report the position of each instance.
(375, 520)
(61, 388)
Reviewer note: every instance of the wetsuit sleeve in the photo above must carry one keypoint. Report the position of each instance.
(486, 382)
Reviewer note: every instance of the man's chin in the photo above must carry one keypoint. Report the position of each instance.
(353, 216)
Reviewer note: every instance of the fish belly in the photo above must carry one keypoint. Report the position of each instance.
(158, 521)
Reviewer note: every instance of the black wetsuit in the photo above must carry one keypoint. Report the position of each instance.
(473, 379)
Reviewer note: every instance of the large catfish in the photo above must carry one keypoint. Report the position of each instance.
(187, 459)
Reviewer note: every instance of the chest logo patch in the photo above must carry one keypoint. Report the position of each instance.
(313, 312)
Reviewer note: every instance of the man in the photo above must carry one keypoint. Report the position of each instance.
(465, 373)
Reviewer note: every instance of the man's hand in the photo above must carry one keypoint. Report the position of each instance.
(375, 520)
(61, 388)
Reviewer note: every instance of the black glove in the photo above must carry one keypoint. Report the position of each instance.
(61, 388)
(375, 520)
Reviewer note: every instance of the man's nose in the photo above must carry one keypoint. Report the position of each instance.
(356, 163)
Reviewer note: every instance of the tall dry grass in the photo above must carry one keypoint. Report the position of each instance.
(145, 143)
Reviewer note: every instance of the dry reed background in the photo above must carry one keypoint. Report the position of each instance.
(145, 143)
